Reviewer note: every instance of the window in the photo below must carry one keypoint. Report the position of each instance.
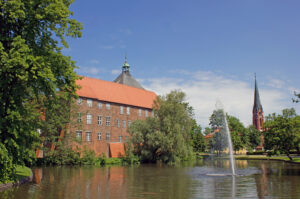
(88, 136)
(89, 102)
(89, 118)
(146, 113)
(107, 136)
(108, 121)
(79, 135)
(118, 123)
(107, 106)
(99, 104)
(120, 138)
(99, 120)
(140, 112)
(124, 124)
(128, 110)
(79, 117)
(152, 113)
(99, 136)
(79, 101)
(129, 122)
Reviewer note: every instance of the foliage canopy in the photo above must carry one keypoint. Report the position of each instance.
(32, 71)
(165, 137)
(283, 132)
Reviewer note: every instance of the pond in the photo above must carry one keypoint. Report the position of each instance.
(255, 179)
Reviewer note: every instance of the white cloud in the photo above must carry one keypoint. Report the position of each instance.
(107, 47)
(88, 70)
(115, 72)
(126, 31)
(203, 88)
(94, 61)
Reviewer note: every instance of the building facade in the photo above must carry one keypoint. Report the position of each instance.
(106, 109)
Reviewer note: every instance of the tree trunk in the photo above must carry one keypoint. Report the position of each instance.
(289, 156)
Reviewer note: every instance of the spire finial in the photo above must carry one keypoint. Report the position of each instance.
(125, 66)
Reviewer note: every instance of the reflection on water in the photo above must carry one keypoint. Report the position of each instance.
(255, 179)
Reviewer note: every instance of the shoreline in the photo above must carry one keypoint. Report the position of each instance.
(20, 181)
(296, 160)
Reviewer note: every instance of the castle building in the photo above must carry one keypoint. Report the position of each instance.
(106, 109)
(257, 113)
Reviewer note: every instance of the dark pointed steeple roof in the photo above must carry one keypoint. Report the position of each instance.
(257, 104)
(126, 78)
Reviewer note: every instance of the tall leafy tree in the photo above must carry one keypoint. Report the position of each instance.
(254, 137)
(239, 134)
(219, 141)
(282, 132)
(165, 137)
(32, 71)
(197, 138)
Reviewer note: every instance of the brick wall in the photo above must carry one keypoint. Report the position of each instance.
(102, 146)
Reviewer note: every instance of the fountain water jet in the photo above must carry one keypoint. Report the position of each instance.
(219, 106)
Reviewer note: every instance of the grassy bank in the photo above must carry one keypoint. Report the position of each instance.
(21, 173)
(264, 157)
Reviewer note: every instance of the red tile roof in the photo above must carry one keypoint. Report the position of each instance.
(114, 92)
(116, 150)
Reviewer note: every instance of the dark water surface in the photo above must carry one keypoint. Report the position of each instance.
(255, 179)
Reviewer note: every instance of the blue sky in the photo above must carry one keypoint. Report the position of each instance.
(208, 49)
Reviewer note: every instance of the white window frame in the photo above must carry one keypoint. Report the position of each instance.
(89, 118)
(140, 112)
(107, 120)
(99, 105)
(99, 135)
(128, 110)
(118, 123)
(107, 105)
(129, 123)
(121, 110)
(120, 138)
(79, 135)
(124, 124)
(146, 113)
(107, 136)
(89, 102)
(99, 119)
(79, 117)
(79, 101)
(88, 136)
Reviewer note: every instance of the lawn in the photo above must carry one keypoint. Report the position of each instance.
(263, 157)
(22, 172)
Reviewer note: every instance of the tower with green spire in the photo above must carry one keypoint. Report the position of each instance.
(126, 78)
(258, 117)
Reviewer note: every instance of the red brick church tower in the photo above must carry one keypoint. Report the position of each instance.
(258, 117)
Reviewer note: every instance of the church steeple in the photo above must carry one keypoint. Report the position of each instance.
(258, 118)
(257, 104)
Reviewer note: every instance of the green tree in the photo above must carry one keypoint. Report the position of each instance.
(219, 141)
(197, 138)
(207, 131)
(165, 137)
(238, 132)
(282, 132)
(32, 70)
(254, 137)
